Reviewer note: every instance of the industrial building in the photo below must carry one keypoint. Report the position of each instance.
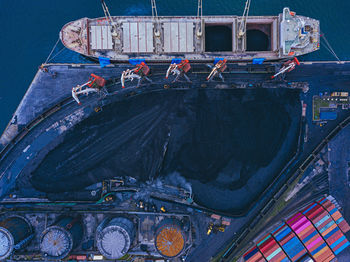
(59, 239)
(93, 236)
(316, 233)
(15, 233)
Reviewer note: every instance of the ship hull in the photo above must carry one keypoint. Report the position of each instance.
(281, 37)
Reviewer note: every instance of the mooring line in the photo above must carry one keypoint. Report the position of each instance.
(329, 47)
(47, 59)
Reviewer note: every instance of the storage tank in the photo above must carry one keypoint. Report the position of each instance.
(170, 239)
(15, 232)
(59, 239)
(114, 237)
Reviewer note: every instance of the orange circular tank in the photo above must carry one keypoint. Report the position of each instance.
(170, 240)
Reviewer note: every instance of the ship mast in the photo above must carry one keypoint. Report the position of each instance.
(199, 31)
(109, 19)
(242, 22)
(155, 18)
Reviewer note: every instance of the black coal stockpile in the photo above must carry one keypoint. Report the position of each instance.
(229, 144)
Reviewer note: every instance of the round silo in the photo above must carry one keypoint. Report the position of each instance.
(15, 232)
(59, 239)
(170, 238)
(114, 237)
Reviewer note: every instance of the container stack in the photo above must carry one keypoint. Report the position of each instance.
(254, 255)
(271, 249)
(310, 237)
(324, 223)
(316, 233)
(289, 242)
(337, 217)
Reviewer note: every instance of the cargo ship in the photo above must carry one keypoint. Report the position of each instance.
(197, 38)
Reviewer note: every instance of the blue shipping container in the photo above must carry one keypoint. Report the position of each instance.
(328, 115)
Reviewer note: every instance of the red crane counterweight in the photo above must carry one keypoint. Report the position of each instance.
(141, 71)
(179, 69)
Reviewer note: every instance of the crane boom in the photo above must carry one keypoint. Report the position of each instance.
(155, 18)
(199, 17)
(109, 19)
(243, 21)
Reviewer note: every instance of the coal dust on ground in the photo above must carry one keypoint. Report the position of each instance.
(229, 144)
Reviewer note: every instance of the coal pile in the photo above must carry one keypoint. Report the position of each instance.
(229, 144)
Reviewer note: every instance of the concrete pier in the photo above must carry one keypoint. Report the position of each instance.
(48, 110)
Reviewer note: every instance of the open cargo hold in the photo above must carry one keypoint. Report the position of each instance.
(120, 38)
(253, 255)
(311, 239)
(289, 242)
(271, 250)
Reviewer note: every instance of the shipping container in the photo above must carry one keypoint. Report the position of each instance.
(328, 115)
(309, 236)
(271, 250)
(336, 215)
(317, 231)
(253, 255)
(289, 242)
(320, 218)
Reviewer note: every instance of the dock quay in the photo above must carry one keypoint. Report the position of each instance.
(47, 92)
(48, 110)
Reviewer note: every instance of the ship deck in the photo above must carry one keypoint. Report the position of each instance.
(192, 38)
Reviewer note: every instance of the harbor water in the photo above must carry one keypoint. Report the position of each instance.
(29, 30)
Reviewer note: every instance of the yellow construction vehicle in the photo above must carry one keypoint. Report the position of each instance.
(210, 229)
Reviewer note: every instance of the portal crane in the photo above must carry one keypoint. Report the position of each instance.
(94, 85)
(242, 22)
(179, 68)
(109, 19)
(219, 67)
(287, 67)
(139, 72)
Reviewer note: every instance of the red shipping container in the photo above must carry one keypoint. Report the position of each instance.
(336, 215)
(333, 238)
(344, 226)
(324, 255)
(315, 212)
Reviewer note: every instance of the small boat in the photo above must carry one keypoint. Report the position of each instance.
(197, 38)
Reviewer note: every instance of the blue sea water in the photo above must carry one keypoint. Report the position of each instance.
(29, 30)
